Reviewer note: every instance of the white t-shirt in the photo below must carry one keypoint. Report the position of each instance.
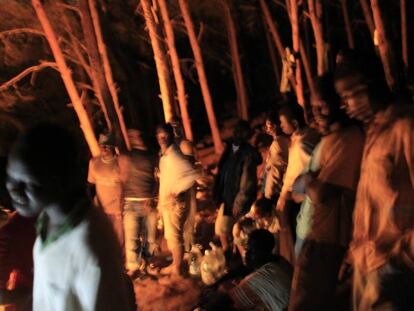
(81, 270)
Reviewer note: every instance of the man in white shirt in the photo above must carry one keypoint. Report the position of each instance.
(77, 260)
(177, 177)
(303, 140)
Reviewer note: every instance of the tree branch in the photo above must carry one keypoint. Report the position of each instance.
(25, 73)
(21, 30)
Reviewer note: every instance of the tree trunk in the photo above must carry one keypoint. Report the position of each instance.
(108, 75)
(218, 145)
(307, 69)
(97, 73)
(235, 57)
(368, 17)
(385, 48)
(175, 61)
(275, 36)
(315, 12)
(296, 49)
(65, 72)
(404, 37)
(272, 52)
(160, 61)
(347, 23)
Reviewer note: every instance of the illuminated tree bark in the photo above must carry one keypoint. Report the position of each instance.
(235, 57)
(218, 144)
(368, 17)
(160, 61)
(66, 75)
(119, 122)
(315, 12)
(275, 36)
(175, 61)
(347, 23)
(296, 48)
(385, 47)
(99, 80)
(404, 39)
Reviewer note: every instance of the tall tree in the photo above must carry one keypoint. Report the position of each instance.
(160, 61)
(99, 79)
(404, 37)
(275, 35)
(387, 52)
(175, 61)
(242, 97)
(347, 22)
(66, 75)
(316, 17)
(368, 17)
(198, 57)
(294, 17)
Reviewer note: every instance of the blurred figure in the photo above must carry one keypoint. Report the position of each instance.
(177, 177)
(328, 185)
(235, 187)
(267, 288)
(382, 246)
(277, 158)
(137, 171)
(260, 216)
(77, 260)
(103, 176)
(303, 141)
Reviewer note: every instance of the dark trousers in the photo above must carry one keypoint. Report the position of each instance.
(287, 235)
(315, 277)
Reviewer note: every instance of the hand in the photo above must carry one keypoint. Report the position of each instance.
(236, 211)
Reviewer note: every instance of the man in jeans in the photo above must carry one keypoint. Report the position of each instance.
(137, 171)
(177, 177)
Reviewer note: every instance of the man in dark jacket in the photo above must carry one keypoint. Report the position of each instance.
(235, 187)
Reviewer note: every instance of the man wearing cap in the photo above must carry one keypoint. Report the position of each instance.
(103, 175)
(137, 171)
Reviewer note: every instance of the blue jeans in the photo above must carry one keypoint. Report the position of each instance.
(140, 233)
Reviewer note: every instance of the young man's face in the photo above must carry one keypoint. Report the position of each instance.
(287, 127)
(30, 193)
(355, 100)
(164, 139)
(270, 128)
(322, 115)
(107, 150)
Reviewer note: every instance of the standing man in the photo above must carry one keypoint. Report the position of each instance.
(324, 222)
(137, 171)
(382, 247)
(277, 158)
(303, 141)
(177, 177)
(77, 260)
(103, 176)
(235, 187)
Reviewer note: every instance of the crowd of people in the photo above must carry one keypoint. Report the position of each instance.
(329, 225)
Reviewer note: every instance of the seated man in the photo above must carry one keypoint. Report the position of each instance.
(267, 288)
(77, 260)
(260, 216)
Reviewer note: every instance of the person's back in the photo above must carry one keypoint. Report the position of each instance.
(268, 287)
(141, 180)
